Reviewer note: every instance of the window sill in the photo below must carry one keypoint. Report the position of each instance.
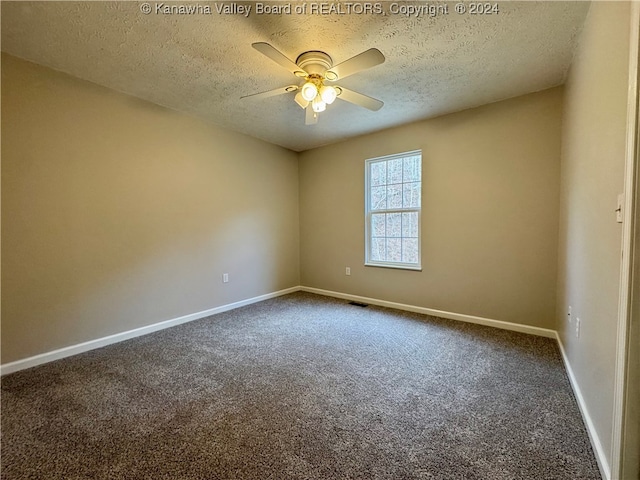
(415, 268)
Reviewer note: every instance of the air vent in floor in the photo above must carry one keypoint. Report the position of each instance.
(358, 304)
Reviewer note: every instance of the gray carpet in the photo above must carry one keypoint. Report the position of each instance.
(301, 387)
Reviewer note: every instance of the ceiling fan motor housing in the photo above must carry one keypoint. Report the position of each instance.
(314, 62)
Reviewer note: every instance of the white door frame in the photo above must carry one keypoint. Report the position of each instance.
(626, 270)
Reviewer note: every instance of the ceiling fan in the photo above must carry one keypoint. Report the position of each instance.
(316, 72)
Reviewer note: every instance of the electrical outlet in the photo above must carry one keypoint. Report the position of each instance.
(225, 278)
(577, 327)
(347, 271)
(569, 315)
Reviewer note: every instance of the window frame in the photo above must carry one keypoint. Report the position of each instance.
(369, 213)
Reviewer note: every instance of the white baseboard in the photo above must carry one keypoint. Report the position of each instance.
(516, 327)
(601, 458)
(119, 337)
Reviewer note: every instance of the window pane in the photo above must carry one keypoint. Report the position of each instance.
(378, 225)
(378, 198)
(394, 224)
(411, 169)
(410, 224)
(378, 173)
(394, 171)
(394, 196)
(411, 195)
(394, 250)
(394, 202)
(378, 249)
(410, 250)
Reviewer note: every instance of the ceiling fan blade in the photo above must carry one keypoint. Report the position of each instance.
(359, 99)
(272, 93)
(301, 101)
(279, 58)
(362, 61)
(311, 117)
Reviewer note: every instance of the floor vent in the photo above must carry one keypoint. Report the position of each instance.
(358, 304)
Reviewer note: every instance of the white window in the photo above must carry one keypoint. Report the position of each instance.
(393, 187)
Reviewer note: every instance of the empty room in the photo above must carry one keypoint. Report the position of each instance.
(320, 240)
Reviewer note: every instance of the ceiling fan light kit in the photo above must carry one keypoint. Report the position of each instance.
(318, 105)
(309, 90)
(316, 68)
(328, 94)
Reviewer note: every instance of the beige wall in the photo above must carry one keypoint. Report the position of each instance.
(593, 157)
(490, 212)
(118, 214)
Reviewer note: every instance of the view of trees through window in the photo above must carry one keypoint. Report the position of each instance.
(393, 187)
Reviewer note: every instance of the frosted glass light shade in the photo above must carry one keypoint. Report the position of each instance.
(318, 105)
(309, 91)
(328, 94)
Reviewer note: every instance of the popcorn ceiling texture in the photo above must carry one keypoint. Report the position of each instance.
(202, 64)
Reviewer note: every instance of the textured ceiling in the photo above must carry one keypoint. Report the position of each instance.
(203, 63)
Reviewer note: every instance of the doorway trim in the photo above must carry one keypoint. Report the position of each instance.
(628, 229)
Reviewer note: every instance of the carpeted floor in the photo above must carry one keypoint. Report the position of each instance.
(301, 387)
